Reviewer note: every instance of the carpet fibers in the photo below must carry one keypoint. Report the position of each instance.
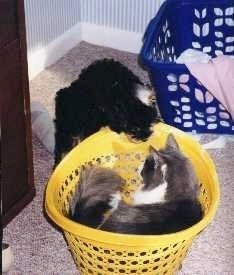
(39, 248)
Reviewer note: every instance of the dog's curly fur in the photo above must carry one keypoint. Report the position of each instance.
(105, 94)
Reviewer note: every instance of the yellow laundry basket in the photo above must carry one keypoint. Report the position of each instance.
(105, 253)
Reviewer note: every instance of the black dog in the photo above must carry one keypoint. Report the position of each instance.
(106, 94)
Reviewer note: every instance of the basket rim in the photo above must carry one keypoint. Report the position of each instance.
(132, 240)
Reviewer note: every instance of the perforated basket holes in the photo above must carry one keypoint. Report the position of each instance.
(213, 23)
(195, 107)
(129, 167)
(204, 198)
(103, 160)
(126, 165)
(93, 258)
(66, 191)
(162, 47)
(181, 99)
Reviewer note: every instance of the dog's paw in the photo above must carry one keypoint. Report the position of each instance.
(75, 141)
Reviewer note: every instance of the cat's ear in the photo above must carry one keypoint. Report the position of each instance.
(171, 142)
(164, 170)
(152, 149)
(154, 154)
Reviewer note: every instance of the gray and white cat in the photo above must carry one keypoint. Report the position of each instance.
(166, 202)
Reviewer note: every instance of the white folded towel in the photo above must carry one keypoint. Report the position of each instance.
(191, 56)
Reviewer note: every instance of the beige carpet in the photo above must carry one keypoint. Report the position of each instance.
(40, 249)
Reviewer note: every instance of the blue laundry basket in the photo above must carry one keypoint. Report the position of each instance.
(205, 25)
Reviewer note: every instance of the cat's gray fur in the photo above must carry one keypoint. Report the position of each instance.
(175, 210)
(91, 200)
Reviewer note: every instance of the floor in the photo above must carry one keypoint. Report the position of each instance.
(39, 248)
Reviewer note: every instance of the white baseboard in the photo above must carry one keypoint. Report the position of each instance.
(110, 37)
(39, 59)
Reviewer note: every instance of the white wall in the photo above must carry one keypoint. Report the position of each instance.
(48, 19)
(55, 26)
(127, 15)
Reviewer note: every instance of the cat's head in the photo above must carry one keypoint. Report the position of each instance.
(168, 175)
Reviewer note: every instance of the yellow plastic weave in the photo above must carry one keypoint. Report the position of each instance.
(105, 253)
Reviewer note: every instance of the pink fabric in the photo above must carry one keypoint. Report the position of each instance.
(218, 77)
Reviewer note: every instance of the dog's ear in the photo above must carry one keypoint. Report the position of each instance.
(64, 102)
(63, 95)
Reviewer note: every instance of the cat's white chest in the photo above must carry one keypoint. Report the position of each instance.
(156, 195)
